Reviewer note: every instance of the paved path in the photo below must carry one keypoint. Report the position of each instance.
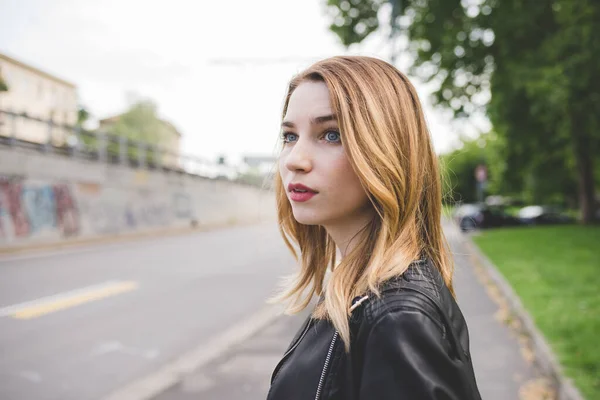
(502, 371)
(80, 323)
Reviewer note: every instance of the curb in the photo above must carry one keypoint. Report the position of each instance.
(545, 359)
(100, 239)
(31, 248)
(171, 374)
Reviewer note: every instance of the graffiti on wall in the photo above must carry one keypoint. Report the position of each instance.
(12, 215)
(35, 209)
(67, 215)
(28, 208)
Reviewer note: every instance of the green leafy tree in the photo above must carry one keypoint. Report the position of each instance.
(3, 84)
(141, 123)
(3, 87)
(530, 65)
(82, 115)
(89, 141)
(458, 168)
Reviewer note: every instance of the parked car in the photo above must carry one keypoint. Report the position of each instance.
(481, 216)
(543, 215)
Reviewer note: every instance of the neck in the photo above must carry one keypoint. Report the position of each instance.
(348, 233)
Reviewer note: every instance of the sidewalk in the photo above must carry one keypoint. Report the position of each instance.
(502, 363)
(244, 372)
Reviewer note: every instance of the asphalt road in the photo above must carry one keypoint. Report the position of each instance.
(80, 323)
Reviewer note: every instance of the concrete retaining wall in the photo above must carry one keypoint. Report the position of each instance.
(52, 198)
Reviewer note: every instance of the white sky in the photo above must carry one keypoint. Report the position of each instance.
(169, 51)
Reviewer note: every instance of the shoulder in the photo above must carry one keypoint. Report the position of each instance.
(398, 326)
(419, 290)
(404, 341)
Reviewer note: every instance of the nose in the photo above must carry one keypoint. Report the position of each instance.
(298, 158)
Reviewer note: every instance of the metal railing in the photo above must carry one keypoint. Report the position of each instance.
(77, 142)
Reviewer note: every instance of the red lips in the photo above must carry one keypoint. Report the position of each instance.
(298, 186)
(300, 193)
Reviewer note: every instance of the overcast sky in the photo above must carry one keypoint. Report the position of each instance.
(217, 69)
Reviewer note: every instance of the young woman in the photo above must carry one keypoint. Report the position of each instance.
(358, 176)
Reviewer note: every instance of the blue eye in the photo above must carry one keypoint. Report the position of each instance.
(286, 137)
(333, 136)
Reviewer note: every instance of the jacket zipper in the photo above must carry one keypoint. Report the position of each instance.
(326, 365)
(331, 347)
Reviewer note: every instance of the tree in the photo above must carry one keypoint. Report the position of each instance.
(82, 115)
(530, 65)
(3, 85)
(458, 169)
(140, 123)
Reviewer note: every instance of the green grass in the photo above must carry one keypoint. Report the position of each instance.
(556, 273)
(512, 210)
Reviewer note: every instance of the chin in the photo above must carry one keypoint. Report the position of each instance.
(307, 218)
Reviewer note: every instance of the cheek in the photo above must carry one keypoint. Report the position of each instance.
(345, 179)
(282, 170)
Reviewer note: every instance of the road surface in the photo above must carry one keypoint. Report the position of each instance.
(80, 323)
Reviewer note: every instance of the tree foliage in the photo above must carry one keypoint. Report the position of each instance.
(83, 115)
(141, 126)
(141, 123)
(530, 65)
(458, 169)
(3, 84)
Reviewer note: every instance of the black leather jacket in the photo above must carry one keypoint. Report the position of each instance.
(411, 343)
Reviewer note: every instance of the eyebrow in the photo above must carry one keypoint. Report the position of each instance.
(313, 121)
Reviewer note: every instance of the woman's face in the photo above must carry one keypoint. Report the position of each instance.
(313, 156)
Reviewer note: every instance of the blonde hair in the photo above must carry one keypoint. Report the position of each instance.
(387, 142)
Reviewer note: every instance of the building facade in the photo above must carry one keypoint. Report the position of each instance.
(37, 94)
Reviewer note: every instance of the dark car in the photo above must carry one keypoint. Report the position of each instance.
(481, 216)
(543, 215)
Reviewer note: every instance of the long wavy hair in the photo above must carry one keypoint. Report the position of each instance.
(385, 136)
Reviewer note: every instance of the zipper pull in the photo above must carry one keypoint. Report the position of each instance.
(357, 301)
